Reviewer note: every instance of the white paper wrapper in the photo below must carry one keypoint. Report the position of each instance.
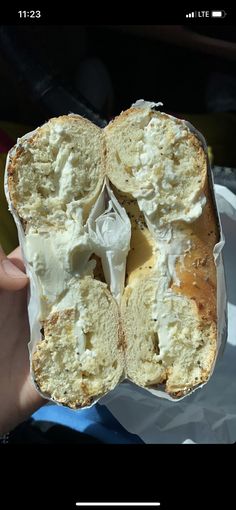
(113, 249)
(109, 229)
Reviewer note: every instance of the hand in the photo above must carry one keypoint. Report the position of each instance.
(18, 397)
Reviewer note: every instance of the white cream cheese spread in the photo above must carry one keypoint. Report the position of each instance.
(59, 258)
(156, 175)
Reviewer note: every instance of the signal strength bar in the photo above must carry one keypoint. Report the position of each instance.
(190, 15)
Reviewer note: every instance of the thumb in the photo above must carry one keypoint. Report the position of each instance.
(11, 277)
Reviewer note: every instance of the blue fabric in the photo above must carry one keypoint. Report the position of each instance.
(96, 421)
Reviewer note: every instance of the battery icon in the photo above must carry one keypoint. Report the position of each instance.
(218, 14)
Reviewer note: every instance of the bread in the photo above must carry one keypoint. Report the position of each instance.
(168, 309)
(54, 178)
(160, 324)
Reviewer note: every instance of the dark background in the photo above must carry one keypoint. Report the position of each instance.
(49, 70)
(181, 66)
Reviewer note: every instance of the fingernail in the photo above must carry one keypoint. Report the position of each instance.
(11, 270)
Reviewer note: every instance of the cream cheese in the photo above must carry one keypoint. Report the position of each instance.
(56, 256)
(64, 165)
(174, 321)
(80, 336)
(60, 258)
(155, 173)
(171, 246)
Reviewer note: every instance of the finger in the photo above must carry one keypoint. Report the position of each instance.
(16, 258)
(11, 275)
